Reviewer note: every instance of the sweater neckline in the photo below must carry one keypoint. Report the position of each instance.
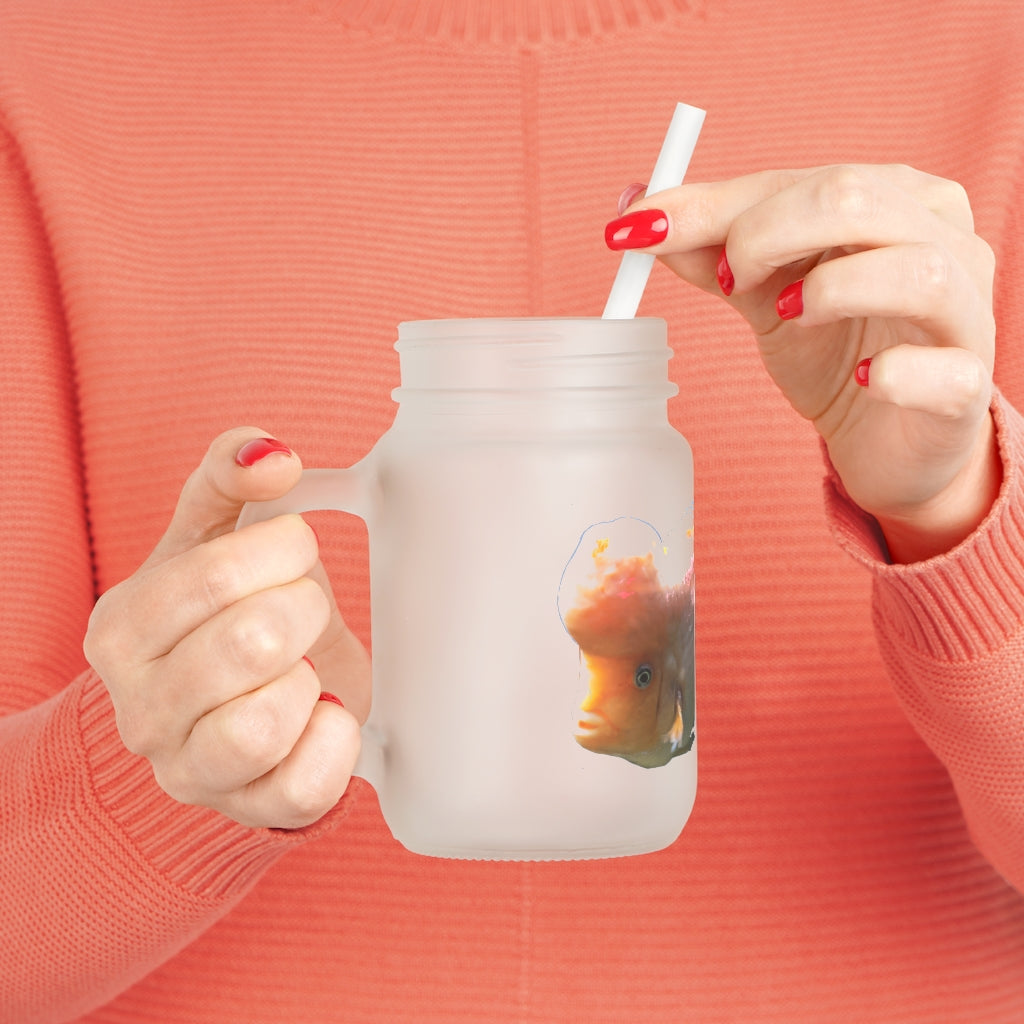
(522, 22)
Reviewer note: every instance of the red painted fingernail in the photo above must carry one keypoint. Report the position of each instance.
(309, 663)
(861, 373)
(629, 195)
(252, 451)
(724, 274)
(790, 303)
(637, 230)
(331, 698)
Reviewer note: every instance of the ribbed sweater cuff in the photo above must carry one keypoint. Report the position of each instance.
(964, 603)
(196, 849)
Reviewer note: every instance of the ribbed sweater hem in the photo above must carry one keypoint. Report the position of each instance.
(194, 848)
(962, 604)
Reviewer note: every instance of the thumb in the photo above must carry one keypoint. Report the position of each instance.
(241, 465)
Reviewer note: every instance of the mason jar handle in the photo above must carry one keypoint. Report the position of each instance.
(338, 490)
(332, 490)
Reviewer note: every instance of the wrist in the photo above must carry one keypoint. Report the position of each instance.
(954, 514)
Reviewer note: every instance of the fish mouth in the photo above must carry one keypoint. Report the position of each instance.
(592, 721)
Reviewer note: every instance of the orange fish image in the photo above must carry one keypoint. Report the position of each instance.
(636, 640)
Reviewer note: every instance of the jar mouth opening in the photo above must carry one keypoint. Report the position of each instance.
(468, 320)
(546, 395)
(568, 355)
(593, 331)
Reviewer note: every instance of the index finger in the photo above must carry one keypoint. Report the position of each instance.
(171, 599)
(701, 214)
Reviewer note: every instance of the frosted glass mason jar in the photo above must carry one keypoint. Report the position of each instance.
(530, 520)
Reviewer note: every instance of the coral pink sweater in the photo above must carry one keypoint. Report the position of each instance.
(215, 213)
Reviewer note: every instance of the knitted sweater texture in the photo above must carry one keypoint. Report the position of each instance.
(214, 214)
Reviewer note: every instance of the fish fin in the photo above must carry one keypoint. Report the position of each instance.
(681, 743)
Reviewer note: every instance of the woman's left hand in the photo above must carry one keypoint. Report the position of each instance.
(870, 297)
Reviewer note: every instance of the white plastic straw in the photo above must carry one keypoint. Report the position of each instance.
(674, 158)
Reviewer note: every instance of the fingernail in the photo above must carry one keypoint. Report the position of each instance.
(330, 698)
(637, 230)
(252, 451)
(629, 194)
(790, 303)
(309, 663)
(724, 274)
(861, 373)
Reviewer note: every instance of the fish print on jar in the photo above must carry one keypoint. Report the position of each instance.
(636, 641)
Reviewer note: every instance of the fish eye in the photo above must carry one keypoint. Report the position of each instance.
(643, 677)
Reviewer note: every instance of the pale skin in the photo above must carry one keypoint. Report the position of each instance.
(891, 271)
(202, 648)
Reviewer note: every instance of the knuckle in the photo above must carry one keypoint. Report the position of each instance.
(949, 407)
(96, 643)
(956, 382)
(178, 783)
(254, 733)
(950, 201)
(779, 179)
(970, 383)
(221, 581)
(848, 194)
(263, 634)
(953, 195)
(254, 641)
(309, 795)
(326, 768)
(902, 173)
(142, 729)
(109, 649)
(104, 642)
(931, 271)
(136, 734)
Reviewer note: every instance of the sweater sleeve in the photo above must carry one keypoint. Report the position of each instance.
(102, 876)
(951, 631)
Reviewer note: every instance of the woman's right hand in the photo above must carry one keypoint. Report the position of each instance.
(203, 650)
